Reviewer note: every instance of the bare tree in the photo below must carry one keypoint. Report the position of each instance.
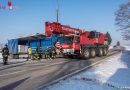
(123, 20)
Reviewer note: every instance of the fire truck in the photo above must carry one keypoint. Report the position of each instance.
(78, 42)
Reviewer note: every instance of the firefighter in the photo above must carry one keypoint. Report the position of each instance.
(29, 53)
(45, 54)
(37, 55)
(48, 53)
(5, 54)
(53, 53)
(58, 48)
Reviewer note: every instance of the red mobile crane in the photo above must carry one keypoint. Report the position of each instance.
(78, 42)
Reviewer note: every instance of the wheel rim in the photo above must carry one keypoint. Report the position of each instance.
(101, 52)
(86, 53)
(93, 53)
(105, 51)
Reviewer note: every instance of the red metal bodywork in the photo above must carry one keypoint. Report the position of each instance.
(85, 40)
(60, 29)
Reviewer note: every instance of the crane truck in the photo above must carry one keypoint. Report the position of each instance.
(75, 41)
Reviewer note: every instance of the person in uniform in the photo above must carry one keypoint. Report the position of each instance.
(53, 53)
(58, 48)
(5, 54)
(50, 53)
(46, 53)
(37, 54)
(29, 53)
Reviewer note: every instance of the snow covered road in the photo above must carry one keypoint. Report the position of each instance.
(112, 74)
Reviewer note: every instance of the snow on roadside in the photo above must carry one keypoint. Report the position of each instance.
(126, 47)
(112, 74)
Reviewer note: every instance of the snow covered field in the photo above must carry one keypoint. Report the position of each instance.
(112, 74)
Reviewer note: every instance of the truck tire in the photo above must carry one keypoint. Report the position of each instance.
(86, 53)
(100, 52)
(92, 52)
(104, 51)
(70, 56)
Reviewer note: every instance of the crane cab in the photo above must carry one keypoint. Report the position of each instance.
(70, 43)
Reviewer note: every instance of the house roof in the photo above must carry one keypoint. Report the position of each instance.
(30, 37)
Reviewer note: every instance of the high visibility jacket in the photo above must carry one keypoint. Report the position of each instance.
(29, 50)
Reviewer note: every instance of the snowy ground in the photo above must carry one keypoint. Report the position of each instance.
(112, 74)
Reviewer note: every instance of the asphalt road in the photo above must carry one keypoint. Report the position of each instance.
(31, 75)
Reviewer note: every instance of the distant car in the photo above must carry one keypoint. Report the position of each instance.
(114, 46)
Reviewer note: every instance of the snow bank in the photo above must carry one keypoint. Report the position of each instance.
(72, 84)
(112, 74)
(126, 47)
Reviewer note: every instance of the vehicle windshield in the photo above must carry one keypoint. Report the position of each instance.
(66, 39)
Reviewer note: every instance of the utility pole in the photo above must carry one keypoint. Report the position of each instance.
(57, 11)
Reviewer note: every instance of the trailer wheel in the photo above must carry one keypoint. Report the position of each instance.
(104, 51)
(100, 52)
(86, 53)
(92, 52)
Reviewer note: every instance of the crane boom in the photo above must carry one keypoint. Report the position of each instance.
(57, 28)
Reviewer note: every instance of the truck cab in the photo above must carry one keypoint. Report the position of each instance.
(70, 44)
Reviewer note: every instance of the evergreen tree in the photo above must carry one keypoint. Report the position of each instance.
(109, 38)
(118, 43)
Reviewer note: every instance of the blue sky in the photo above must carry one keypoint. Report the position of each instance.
(28, 16)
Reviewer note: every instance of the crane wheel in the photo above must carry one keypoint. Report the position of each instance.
(100, 52)
(86, 53)
(92, 52)
(104, 51)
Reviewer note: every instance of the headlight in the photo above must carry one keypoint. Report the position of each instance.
(71, 51)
